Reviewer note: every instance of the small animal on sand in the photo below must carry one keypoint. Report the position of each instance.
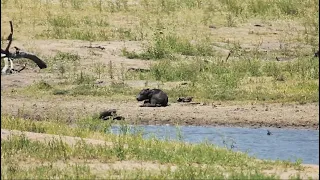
(110, 113)
(185, 99)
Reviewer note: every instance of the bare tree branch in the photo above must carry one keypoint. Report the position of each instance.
(6, 51)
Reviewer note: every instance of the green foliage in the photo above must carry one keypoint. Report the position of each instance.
(176, 34)
(125, 146)
(43, 85)
(216, 80)
(167, 45)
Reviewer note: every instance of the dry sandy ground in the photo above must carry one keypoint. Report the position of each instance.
(269, 115)
(99, 167)
(222, 114)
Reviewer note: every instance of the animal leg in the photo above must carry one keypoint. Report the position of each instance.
(146, 101)
(6, 66)
(12, 70)
(148, 105)
(24, 66)
(118, 118)
(11, 63)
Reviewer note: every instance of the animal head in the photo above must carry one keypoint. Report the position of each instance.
(180, 99)
(144, 94)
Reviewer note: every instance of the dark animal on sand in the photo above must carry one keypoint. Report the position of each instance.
(139, 69)
(153, 98)
(316, 54)
(184, 99)
(110, 113)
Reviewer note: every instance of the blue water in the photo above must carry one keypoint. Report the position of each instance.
(283, 144)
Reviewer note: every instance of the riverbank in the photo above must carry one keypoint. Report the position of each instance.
(69, 158)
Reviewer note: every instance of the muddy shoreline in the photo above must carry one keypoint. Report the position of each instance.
(235, 125)
(290, 116)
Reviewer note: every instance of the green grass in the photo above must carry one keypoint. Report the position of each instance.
(166, 45)
(99, 20)
(180, 46)
(126, 147)
(176, 34)
(210, 79)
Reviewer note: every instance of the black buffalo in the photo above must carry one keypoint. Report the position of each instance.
(153, 98)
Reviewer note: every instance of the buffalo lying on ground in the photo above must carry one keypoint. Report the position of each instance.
(153, 98)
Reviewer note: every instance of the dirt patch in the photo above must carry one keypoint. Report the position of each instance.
(5, 134)
(310, 171)
(98, 167)
(111, 52)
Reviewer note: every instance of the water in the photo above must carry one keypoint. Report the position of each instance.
(283, 144)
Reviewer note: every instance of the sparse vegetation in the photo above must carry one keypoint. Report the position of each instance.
(197, 161)
(180, 40)
(168, 30)
(292, 81)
